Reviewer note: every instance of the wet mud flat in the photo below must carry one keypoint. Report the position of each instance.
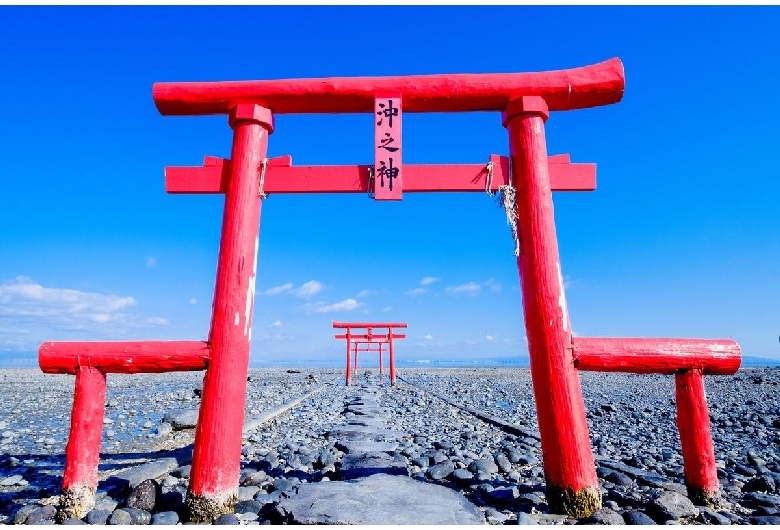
(325, 440)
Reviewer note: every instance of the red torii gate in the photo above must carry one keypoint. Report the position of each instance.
(525, 101)
(368, 337)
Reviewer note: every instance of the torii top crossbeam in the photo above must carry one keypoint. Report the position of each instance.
(575, 88)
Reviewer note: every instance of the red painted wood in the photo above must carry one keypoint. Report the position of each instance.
(124, 357)
(380, 359)
(693, 422)
(348, 336)
(392, 360)
(216, 457)
(656, 356)
(568, 462)
(575, 88)
(373, 338)
(82, 454)
(281, 178)
(388, 170)
(344, 325)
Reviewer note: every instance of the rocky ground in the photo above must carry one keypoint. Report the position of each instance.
(424, 431)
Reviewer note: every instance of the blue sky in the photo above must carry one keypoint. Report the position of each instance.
(680, 239)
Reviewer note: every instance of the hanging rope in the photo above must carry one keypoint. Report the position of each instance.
(263, 165)
(508, 199)
(489, 179)
(370, 181)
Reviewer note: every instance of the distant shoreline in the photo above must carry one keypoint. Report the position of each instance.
(372, 363)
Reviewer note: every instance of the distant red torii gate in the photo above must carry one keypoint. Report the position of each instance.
(370, 336)
(525, 101)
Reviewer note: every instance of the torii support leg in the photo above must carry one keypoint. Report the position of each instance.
(392, 358)
(570, 473)
(693, 422)
(349, 358)
(216, 458)
(82, 454)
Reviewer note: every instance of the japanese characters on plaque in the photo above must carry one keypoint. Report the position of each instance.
(387, 149)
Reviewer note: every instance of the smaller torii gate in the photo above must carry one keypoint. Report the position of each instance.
(367, 338)
(367, 347)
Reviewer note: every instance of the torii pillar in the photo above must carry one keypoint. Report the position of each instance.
(216, 460)
(570, 473)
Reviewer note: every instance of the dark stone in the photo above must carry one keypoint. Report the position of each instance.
(760, 483)
(709, 516)
(619, 479)
(440, 471)
(248, 506)
(745, 471)
(462, 475)
(139, 516)
(21, 514)
(120, 517)
(604, 516)
(421, 461)
(503, 495)
(761, 499)
(144, 496)
(73, 521)
(283, 484)
(485, 465)
(182, 472)
(165, 518)
(765, 519)
(228, 518)
(503, 463)
(98, 517)
(636, 517)
(44, 513)
(671, 506)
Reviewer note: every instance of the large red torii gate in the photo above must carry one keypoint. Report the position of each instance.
(525, 101)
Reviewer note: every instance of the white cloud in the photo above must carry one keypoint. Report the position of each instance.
(491, 282)
(471, 288)
(276, 324)
(428, 280)
(387, 309)
(150, 261)
(24, 297)
(157, 321)
(321, 307)
(364, 292)
(51, 313)
(309, 289)
(193, 301)
(489, 338)
(416, 291)
(428, 337)
(277, 290)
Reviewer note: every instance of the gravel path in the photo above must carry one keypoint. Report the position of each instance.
(430, 439)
